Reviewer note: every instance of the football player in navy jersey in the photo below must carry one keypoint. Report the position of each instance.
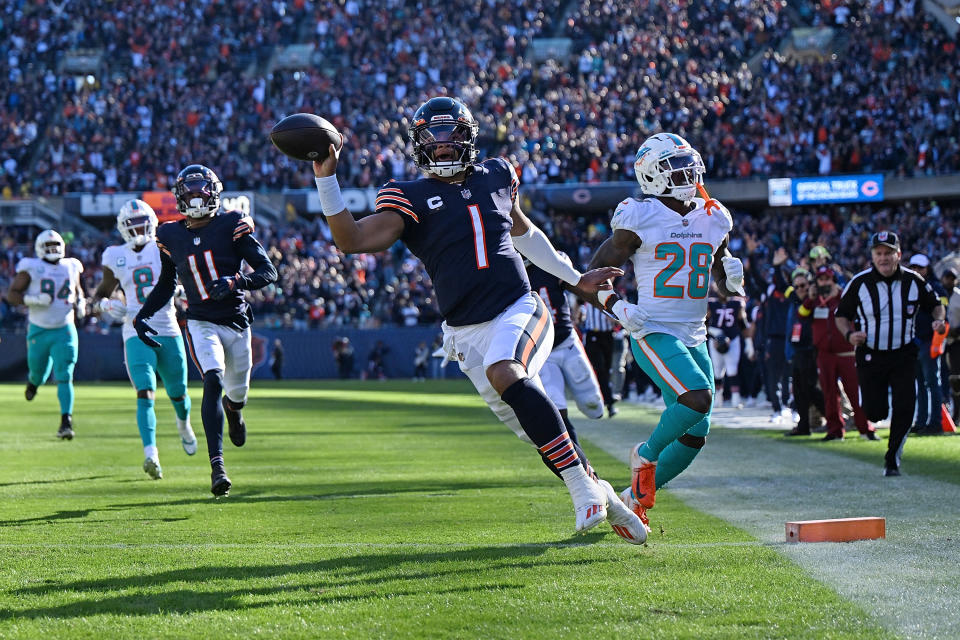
(463, 220)
(205, 251)
(568, 366)
(730, 335)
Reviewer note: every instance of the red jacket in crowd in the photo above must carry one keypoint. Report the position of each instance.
(826, 337)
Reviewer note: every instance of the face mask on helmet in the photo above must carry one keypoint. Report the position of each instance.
(443, 136)
(137, 223)
(198, 192)
(49, 246)
(444, 149)
(666, 165)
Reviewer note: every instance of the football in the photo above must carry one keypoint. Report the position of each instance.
(304, 136)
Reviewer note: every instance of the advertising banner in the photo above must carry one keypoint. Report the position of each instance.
(786, 192)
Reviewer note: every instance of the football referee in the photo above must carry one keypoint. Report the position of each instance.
(883, 302)
(599, 348)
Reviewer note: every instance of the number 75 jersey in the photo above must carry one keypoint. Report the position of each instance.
(137, 272)
(673, 263)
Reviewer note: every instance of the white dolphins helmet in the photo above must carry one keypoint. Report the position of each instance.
(666, 165)
(137, 223)
(50, 246)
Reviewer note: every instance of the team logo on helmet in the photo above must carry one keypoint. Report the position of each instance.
(444, 136)
(197, 190)
(667, 165)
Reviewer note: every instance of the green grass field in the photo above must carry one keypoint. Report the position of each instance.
(364, 510)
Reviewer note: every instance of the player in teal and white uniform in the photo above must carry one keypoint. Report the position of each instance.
(676, 241)
(134, 267)
(50, 287)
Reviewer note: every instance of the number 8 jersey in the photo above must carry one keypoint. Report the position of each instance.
(672, 266)
(137, 272)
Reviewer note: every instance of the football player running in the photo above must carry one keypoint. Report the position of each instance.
(50, 287)
(567, 367)
(464, 222)
(133, 268)
(676, 241)
(206, 251)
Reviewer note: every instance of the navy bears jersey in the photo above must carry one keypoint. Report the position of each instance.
(726, 316)
(203, 255)
(551, 291)
(461, 233)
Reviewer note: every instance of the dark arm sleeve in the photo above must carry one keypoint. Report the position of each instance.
(263, 270)
(929, 300)
(163, 290)
(848, 302)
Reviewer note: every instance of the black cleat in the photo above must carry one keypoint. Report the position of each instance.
(66, 427)
(30, 392)
(797, 431)
(219, 482)
(237, 427)
(891, 472)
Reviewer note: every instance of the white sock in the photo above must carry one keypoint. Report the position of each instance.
(151, 452)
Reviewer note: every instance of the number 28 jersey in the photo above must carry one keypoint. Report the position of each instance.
(672, 265)
(137, 272)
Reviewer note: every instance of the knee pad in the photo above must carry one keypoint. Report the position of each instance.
(694, 442)
(233, 406)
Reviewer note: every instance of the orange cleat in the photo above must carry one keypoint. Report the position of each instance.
(644, 483)
(626, 496)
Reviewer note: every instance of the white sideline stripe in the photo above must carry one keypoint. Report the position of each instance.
(907, 582)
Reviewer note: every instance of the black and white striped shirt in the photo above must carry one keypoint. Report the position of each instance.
(886, 308)
(595, 320)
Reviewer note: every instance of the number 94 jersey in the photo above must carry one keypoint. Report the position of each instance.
(673, 264)
(59, 281)
(137, 272)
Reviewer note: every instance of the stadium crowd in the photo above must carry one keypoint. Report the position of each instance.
(161, 100)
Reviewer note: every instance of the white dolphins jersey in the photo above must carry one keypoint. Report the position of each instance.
(137, 272)
(673, 264)
(59, 281)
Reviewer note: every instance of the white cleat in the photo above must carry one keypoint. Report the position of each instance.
(623, 521)
(589, 500)
(152, 467)
(187, 437)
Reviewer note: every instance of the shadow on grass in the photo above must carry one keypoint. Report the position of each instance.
(323, 492)
(62, 480)
(333, 579)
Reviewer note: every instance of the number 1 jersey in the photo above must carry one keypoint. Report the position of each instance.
(137, 272)
(673, 263)
(461, 233)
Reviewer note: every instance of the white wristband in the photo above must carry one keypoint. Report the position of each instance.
(604, 295)
(331, 201)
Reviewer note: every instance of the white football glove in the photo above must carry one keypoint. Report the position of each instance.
(748, 348)
(631, 316)
(38, 300)
(114, 309)
(733, 269)
(80, 308)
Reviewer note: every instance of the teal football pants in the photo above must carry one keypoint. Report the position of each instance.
(53, 350)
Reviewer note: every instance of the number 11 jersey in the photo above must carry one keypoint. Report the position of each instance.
(137, 272)
(672, 266)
